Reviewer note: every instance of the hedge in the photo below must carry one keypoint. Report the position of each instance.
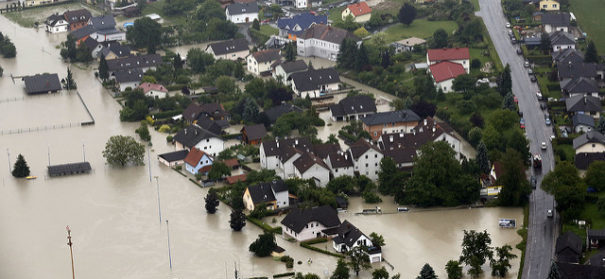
(305, 245)
(553, 87)
(315, 241)
(284, 274)
(264, 226)
(231, 136)
(540, 59)
(166, 114)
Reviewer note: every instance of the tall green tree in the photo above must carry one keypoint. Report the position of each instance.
(601, 125)
(439, 39)
(238, 220)
(517, 141)
(505, 83)
(145, 33)
(501, 264)
(341, 271)
(427, 272)
(358, 260)
(103, 68)
(453, 270)
(218, 171)
(591, 55)
(595, 176)
(380, 273)
(482, 158)
(70, 84)
(515, 187)
(361, 58)
(122, 150)
(508, 102)
(377, 239)
(407, 14)
(346, 54)
(177, 62)
(212, 201)
(70, 45)
(545, 45)
(476, 251)
(198, 60)
(389, 177)
(290, 51)
(568, 188)
(20, 169)
(263, 245)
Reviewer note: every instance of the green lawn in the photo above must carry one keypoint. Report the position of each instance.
(589, 14)
(420, 28)
(156, 8)
(268, 30)
(335, 14)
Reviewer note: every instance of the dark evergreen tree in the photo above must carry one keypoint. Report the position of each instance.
(453, 269)
(103, 68)
(427, 272)
(407, 14)
(70, 44)
(501, 265)
(177, 62)
(591, 55)
(554, 271)
(505, 83)
(482, 158)
(439, 39)
(601, 125)
(70, 84)
(20, 169)
(385, 61)
(346, 54)
(361, 58)
(341, 271)
(508, 102)
(290, 52)
(263, 245)
(255, 24)
(211, 201)
(238, 220)
(545, 43)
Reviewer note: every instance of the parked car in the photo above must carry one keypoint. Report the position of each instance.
(549, 213)
(508, 25)
(513, 40)
(530, 71)
(515, 99)
(533, 181)
(539, 95)
(547, 121)
(519, 51)
(533, 78)
(543, 106)
(526, 64)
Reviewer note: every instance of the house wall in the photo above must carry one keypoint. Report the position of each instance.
(594, 94)
(388, 128)
(317, 48)
(549, 5)
(282, 199)
(311, 231)
(287, 168)
(212, 146)
(155, 93)
(316, 171)
(77, 25)
(454, 143)
(258, 68)
(445, 85)
(230, 56)
(270, 162)
(241, 18)
(315, 93)
(562, 47)
(205, 161)
(96, 51)
(121, 36)
(551, 29)
(61, 26)
(368, 163)
(338, 172)
(132, 85)
(591, 148)
(248, 204)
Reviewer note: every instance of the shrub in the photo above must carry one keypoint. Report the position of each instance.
(169, 138)
(164, 129)
(476, 63)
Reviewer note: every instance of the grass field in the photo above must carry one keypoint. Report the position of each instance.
(589, 15)
(420, 28)
(268, 30)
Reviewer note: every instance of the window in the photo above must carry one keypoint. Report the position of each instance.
(366, 165)
(366, 156)
(375, 155)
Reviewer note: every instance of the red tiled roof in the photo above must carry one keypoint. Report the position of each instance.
(231, 162)
(360, 8)
(446, 70)
(194, 156)
(146, 86)
(234, 179)
(442, 54)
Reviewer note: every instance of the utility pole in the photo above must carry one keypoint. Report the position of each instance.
(83, 153)
(149, 164)
(159, 207)
(8, 154)
(169, 255)
(48, 149)
(73, 274)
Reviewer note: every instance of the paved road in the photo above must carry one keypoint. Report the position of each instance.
(542, 231)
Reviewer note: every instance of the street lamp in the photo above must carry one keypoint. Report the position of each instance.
(169, 255)
(70, 244)
(159, 208)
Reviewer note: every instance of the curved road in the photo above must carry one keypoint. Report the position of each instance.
(542, 230)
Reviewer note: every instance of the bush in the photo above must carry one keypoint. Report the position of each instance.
(164, 129)
(289, 262)
(476, 64)
(169, 138)
(370, 197)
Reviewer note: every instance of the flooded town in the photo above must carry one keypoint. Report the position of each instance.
(286, 139)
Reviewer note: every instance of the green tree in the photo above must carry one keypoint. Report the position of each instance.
(70, 45)
(554, 271)
(483, 159)
(591, 55)
(122, 150)
(341, 271)
(198, 60)
(143, 131)
(290, 51)
(225, 84)
(388, 179)
(238, 219)
(177, 62)
(545, 45)
(439, 39)
(568, 188)
(474, 135)
(476, 251)
(601, 125)
(508, 102)
(145, 33)
(255, 24)
(517, 141)
(70, 84)
(505, 83)
(212, 201)
(464, 83)
(358, 260)
(377, 239)
(218, 171)
(501, 265)
(595, 176)
(103, 68)
(453, 269)
(346, 54)
(20, 169)
(380, 273)
(263, 245)
(361, 58)
(407, 14)
(427, 272)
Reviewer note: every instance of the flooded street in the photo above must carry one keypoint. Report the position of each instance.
(113, 213)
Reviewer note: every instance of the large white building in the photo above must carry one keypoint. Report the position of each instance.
(309, 223)
(315, 83)
(56, 24)
(242, 12)
(233, 49)
(366, 158)
(323, 41)
(196, 136)
(259, 63)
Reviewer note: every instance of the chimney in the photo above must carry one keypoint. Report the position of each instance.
(414, 132)
(584, 99)
(296, 141)
(185, 131)
(569, 64)
(425, 122)
(391, 138)
(346, 156)
(433, 129)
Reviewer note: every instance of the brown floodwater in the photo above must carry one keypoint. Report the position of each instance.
(113, 213)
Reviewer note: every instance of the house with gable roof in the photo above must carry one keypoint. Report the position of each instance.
(390, 122)
(294, 26)
(568, 248)
(233, 49)
(346, 237)
(353, 108)
(310, 166)
(454, 55)
(309, 223)
(552, 22)
(154, 90)
(315, 83)
(273, 195)
(259, 63)
(242, 12)
(198, 161)
(560, 40)
(340, 163)
(283, 70)
(446, 64)
(591, 142)
(77, 18)
(253, 134)
(56, 24)
(194, 136)
(366, 158)
(588, 105)
(360, 12)
(322, 41)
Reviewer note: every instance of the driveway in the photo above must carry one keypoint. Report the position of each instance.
(542, 230)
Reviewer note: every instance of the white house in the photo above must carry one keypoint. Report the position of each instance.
(129, 78)
(304, 4)
(340, 164)
(174, 158)
(444, 73)
(455, 55)
(366, 158)
(242, 12)
(154, 90)
(200, 138)
(583, 123)
(198, 161)
(591, 142)
(309, 166)
(272, 151)
(315, 83)
(346, 237)
(283, 70)
(56, 24)
(360, 12)
(260, 62)
(309, 223)
(561, 41)
(233, 49)
(552, 22)
(323, 41)
(273, 195)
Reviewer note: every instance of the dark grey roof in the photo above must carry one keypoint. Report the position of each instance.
(265, 191)
(209, 124)
(81, 15)
(91, 43)
(575, 70)
(354, 105)
(174, 156)
(117, 49)
(348, 234)
(568, 247)
(211, 110)
(192, 135)
(103, 22)
(327, 33)
(322, 150)
(307, 160)
(53, 19)
(132, 62)
(532, 41)
(583, 103)
(242, 8)
(82, 32)
(278, 147)
(313, 79)
(598, 259)
(42, 83)
(405, 115)
(583, 160)
(562, 38)
(255, 132)
(589, 137)
(275, 112)
(294, 66)
(577, 271)
(67, 169)
(266, 55)
(556, 19)
(229, 46)
(297, 219)
(340, 160)
(567, 55)
(360, 147)
(596, 234)
(583, 119)
(579, 85)
(130, 75)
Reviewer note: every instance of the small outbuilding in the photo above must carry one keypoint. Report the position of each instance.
(173, 159)
(42, 83)
(253, 134)
(69, 169)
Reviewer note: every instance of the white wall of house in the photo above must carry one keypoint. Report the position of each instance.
(204, 161)
(156, 93)
(241, 18)
(60, 26)
(368, 163)
(317, 48)
(454, 144)
(445, 85)
(362, 240)
(594, 94)
(551, 29)
(315, 93)
(358, 19)
(257, 68)
(270, 162)
(591, 147)
(212, 146)
(248, 203)
(287, 167)
(583, 129)
(563, 47)
(338, 172)
(315, 172)
(280, 75)
(230, 56)
(120, 36)
(132, 85)
(311, 231)
(281, 198)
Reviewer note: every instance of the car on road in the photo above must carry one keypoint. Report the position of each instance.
(533, 181)
(403, 209)
(547, 121)
(526, 64)
(543, 106)
(513, 40)
(522, 121)
(508, 25)
(537, 161)
(530, 71)
(519, 51)
(539, 95)
(533, 78)
(549, 213)
(543, 145)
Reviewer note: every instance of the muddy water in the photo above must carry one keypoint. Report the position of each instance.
(113, 213)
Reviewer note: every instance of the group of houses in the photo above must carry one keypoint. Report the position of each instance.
(570, 249)
(446, 64)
